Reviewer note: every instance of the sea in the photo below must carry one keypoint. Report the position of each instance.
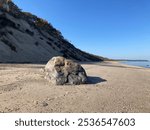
(145, 64)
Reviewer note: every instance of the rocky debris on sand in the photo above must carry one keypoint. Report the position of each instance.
(44, 104)
(62, 71)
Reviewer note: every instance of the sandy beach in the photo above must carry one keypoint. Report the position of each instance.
(113, 87)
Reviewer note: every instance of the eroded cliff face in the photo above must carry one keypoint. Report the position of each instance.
(26, 38)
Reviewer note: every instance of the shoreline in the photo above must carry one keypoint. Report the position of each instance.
(137, 64)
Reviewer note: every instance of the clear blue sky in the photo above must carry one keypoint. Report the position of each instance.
(110, 28)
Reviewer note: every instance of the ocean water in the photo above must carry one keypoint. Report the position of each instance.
(145, 64)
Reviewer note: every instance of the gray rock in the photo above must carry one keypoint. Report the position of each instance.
(44, 104)
(62, 71)
(4, 4)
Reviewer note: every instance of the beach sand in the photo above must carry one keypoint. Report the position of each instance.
(113, 87)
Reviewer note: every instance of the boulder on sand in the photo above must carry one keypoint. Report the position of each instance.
(61, 71)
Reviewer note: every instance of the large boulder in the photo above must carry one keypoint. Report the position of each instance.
(62, 71)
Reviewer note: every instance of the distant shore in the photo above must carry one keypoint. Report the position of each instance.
(132, 60)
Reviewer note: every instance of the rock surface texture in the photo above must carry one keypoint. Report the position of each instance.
(4, 4)
(62, 71)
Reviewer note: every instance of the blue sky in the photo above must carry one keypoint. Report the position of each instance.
(110, 28)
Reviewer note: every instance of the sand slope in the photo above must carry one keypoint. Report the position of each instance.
(114, 88)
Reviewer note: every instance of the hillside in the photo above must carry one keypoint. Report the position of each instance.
(27, 38)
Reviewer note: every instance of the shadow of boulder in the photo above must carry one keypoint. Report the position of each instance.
(95, 80)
